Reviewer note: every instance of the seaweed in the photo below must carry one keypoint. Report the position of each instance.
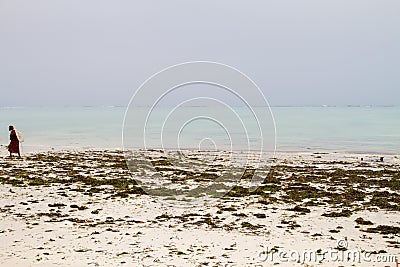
(343, 213)
(361, 221)
(384, 230)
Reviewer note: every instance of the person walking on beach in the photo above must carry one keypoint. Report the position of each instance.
(14, 144)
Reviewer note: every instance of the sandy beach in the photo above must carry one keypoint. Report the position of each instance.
(200, 133)
(84, 208)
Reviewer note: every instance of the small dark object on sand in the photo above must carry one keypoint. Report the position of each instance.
(361, 221)
(381, 159)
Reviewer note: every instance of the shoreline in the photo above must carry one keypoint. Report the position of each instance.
(44, 149)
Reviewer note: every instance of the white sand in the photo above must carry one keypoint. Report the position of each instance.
(135, 237)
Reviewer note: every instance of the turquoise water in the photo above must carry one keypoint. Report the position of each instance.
(342, 129)
(354, 129)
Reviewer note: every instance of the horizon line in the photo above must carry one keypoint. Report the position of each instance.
(199, 106)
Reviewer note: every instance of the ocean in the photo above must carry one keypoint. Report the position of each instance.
(360, 129)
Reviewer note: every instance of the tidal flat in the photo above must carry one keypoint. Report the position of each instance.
(157, 208)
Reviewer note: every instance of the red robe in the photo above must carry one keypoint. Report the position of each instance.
(14, 144)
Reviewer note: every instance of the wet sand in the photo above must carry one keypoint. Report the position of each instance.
(85, 208)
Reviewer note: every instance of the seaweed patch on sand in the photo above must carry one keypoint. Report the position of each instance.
(89, 208)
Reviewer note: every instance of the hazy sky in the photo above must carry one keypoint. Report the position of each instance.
(94, 52)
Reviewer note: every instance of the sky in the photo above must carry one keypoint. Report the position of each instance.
(96, 52)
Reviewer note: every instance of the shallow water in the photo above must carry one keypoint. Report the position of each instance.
(344, 129)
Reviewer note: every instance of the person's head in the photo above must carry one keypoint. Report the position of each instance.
(10, 128)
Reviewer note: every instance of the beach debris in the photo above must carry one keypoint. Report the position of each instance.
(300, 209)
(384, 230)
(250, 226)
(343, 213)
(361, 221)
(74, 206)
(260, 215)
